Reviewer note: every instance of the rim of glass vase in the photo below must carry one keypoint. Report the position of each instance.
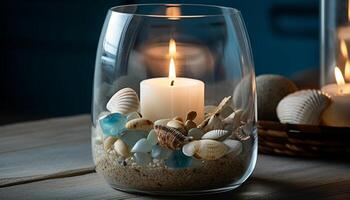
(211, 10)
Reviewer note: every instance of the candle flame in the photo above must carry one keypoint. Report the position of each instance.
(173, 13)
(347, 70)
(343, 49)
(172, 72)
(338, 76)
(172, 53)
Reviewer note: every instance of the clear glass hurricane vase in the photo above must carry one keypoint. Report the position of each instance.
(174, 108)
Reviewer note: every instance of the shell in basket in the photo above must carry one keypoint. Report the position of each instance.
(302, 107)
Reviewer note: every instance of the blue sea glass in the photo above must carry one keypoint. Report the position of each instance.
(178, 160)
(159, 152)
(113, 124)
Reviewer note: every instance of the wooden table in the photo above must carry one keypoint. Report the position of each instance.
(51, 159)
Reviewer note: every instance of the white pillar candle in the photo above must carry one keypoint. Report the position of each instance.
(168, 97)
(161, 100)
(338, 112)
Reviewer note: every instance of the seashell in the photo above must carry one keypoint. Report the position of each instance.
(234, 119)
(121, 148)
(159, 152)
(302, 107)
(196, 133)
(213, 123)
(178, 160)
(170, 137)
(216, 135)
(162, 122)
(217, 111)
(142, 158)
(177, 125)
(130, 137)
(133, 115)
(207, 149)
(152, 137)
(178, 119)
(108, 143)
(112, 124)
(139, 124)
(191, 115)
(226, 111)
(190, 124)
(124, 101)
(191, 148)
(208, 110)
(240, 133)
(143, 145)
(235, 146)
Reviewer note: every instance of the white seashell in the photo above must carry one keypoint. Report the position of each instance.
(133, 115)
(210, 149)
(214, 123)
(152, 137)
(302, 107)
(139, 124)
(143, 145)
(209, 109)
(235, 146)
(226, 111)
(191, 148)
(124, 101)
(216, 112)
(175, 124)
(178, 119)
(143, 158)
(196, 133)
(108, 143)
(216, 135)
(121, 148)
(234, 119)
(161, 122)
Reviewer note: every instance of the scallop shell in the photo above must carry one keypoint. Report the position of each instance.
(302, 107)
(139, 124)
(206, 149)
(216, 135)
(124, 101)
(121, 148)
(170, 137)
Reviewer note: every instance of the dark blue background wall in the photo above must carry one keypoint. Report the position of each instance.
(48, 49)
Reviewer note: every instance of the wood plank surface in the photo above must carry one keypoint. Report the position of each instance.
(36, 150)
(54, 176)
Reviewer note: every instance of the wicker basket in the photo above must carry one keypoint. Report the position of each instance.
(303, 140)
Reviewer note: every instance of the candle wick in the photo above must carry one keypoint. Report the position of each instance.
(172, 83)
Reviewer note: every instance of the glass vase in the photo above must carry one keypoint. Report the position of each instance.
(335, 61)
(174, 108)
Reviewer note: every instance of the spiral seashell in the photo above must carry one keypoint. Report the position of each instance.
(206, 149)
(177, 125)
(302, 107)
(139, 124)
(216, 135)
(124, 101)
(170, 137)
